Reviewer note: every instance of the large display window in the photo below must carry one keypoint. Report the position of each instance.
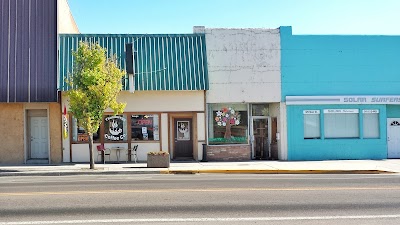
(145, 127)
(121, 128)
(79, 134)
(227, 124)
(341, 123)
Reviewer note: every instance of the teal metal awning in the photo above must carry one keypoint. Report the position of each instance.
(162, 61)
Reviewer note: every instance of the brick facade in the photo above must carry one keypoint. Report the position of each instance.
(228, 152)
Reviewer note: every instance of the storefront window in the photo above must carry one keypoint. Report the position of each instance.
(371, 123)
(115, 128)
(341, 123)
(145, 127)
(227, 124)
(259, 110)
(312, 124)
(79, 134)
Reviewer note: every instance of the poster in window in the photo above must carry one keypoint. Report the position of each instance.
(144, 130)
(156, 134)
(183, 131)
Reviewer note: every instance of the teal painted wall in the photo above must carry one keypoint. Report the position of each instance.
(323, 65)
(322, 149)
(393, 111)
(339, 64)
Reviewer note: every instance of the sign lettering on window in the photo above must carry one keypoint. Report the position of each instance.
(340, 110)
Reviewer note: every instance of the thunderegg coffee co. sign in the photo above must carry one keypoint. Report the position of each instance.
(115, 130)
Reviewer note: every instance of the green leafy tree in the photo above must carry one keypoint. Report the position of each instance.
(95, 85)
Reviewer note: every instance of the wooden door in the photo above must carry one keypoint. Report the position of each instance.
(183, 148)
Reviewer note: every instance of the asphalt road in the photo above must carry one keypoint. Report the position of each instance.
(201, 199)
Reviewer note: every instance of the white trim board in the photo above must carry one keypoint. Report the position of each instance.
(344, 99)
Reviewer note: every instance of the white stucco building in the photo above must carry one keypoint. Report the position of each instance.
(244, 91)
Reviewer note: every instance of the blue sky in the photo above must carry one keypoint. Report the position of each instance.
(179, 16)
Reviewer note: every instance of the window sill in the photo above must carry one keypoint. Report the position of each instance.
(144, 141)
(81, 142)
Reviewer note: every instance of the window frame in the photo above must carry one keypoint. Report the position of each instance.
(211, 122)
(342, 111)
(71, 131)
(105, 140)
(312, 112)
(371, 111)
(130, 139)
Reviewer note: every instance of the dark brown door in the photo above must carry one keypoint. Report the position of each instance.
(183, 138)
(274, 142)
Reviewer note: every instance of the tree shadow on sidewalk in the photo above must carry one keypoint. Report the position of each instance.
(9, 171)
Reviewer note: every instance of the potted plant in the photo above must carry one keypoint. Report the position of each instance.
(158, 159)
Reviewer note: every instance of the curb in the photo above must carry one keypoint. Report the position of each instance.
(20, 174)
(221, 171)
(278, 171)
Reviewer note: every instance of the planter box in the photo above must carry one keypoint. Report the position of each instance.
(158, 161)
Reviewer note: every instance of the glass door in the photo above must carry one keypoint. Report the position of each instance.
(260, 138)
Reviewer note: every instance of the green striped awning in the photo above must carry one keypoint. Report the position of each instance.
(162, 61)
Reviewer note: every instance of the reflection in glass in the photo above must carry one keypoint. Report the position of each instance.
(79, 133)
(145, 127)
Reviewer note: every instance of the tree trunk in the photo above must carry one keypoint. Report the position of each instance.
(228, 131)
(91, 151)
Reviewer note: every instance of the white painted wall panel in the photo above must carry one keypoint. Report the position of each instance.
(159, 101)
(282, 143)
(201, 127)
(80, 153)
(244, 92)
(164, 131)
(144, 148)
(66, 144)
(123, 154)
(243, 65)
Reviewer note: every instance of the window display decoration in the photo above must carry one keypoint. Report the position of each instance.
(227, 117)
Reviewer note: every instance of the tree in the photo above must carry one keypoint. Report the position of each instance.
(95, 85)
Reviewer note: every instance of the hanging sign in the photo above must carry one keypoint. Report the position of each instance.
(65, 123)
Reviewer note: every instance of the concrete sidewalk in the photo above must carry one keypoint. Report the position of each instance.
(264, 167)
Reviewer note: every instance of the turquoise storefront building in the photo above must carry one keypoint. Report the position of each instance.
(342, 96)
